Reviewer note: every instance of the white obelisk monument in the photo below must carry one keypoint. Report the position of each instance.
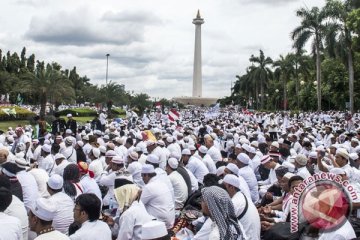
(197, 76)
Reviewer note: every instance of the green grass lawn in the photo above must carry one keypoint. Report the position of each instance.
(5, 124)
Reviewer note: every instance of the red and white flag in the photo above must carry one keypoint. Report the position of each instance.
(173, 115)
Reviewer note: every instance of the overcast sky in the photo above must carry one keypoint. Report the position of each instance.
(151, 42)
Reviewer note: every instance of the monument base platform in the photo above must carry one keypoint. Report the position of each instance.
(197, 101)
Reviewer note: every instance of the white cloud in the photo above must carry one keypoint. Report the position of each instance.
(151, 42)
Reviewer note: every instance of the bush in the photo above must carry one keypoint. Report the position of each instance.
(118, 111)
(79, 112)
(8, 113)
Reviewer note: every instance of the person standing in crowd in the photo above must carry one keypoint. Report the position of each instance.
(58, 126)
(71, 123)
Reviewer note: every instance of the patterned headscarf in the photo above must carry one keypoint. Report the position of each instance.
(222, 212)
(84, 169)
(125, 195)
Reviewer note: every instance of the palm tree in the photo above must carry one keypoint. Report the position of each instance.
(49, 84)
(284, 70)
(339, 38)
(312, 26)
(262, 72)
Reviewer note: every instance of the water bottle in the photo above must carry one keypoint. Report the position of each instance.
(111, 203)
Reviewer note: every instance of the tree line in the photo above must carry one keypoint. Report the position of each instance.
(325, 78)
(40, 83)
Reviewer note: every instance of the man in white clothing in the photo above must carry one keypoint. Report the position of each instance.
(41, 216)
(47, 161)
(10, 227)
(214, 152)
(157, 197)
(69, 152)
(209, 163)
(86, 213)
(245, 210)
(194, 165)
(178, 183)
(300, 164)
(270, 164)
(61, 164)
(64, 213)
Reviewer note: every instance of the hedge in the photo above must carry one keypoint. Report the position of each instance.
(8, 113)
(79, 112)
(118, 111)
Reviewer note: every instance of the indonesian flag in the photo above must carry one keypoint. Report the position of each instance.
(173, 115)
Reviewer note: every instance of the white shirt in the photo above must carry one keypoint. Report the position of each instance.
(108, 181)
(97, 167)
(10, 228)
(59, 169)
(303, 172)
(248, 174)
(29, 188)
(17, 209)
(272, 177)
(131, 221)
(52, 235)
(180, 189)
(162, 156)
(70, 154)
(209, 163)
(250, 222)
(215, 154)
(89, 185)
(159, 202)
(198, 168)
(102, 118)
(194, 181)
(96, 230)
(41, 178)
(205, 230)
(47, 163)
(345, 232)
(65, 212)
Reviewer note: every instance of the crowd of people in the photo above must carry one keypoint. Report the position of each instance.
(230, 176)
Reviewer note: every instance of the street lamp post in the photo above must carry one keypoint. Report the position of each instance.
(276, 105)
(107, 68)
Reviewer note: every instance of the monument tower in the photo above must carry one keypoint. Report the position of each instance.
(197, 75)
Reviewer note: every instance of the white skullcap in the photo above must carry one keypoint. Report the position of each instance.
(96, 152)
(59, 156)
(170, 139)
(289, 175)
(150, 143)
(55, 182)
(301, 159)
(153, 230)
(275, 144)
(313, 154)
(134, 155)
(192, 148)
(21, 162)
(289, 166)
(139, 136)
(86, 138)
(233, 168)
(147, 168)
(254, 144)
(44, 209)
(185, 152)
(106, 137)
(320, 148)
(252, 150)
(68, 131)
(102, 149)
(175, 155)
(153, 158)
(238, 146)
(353, 156)
(68, 140)
(281, 141)
(110, 153)
(69, 115)
(46, 148)
(242, 157)
(246, 147)
(173, 163)
(220, 170)
(134, 168)
(232, 180)
(80, 143)
(342, 152)
(203, 149)
(161, 143)
(117, 160)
